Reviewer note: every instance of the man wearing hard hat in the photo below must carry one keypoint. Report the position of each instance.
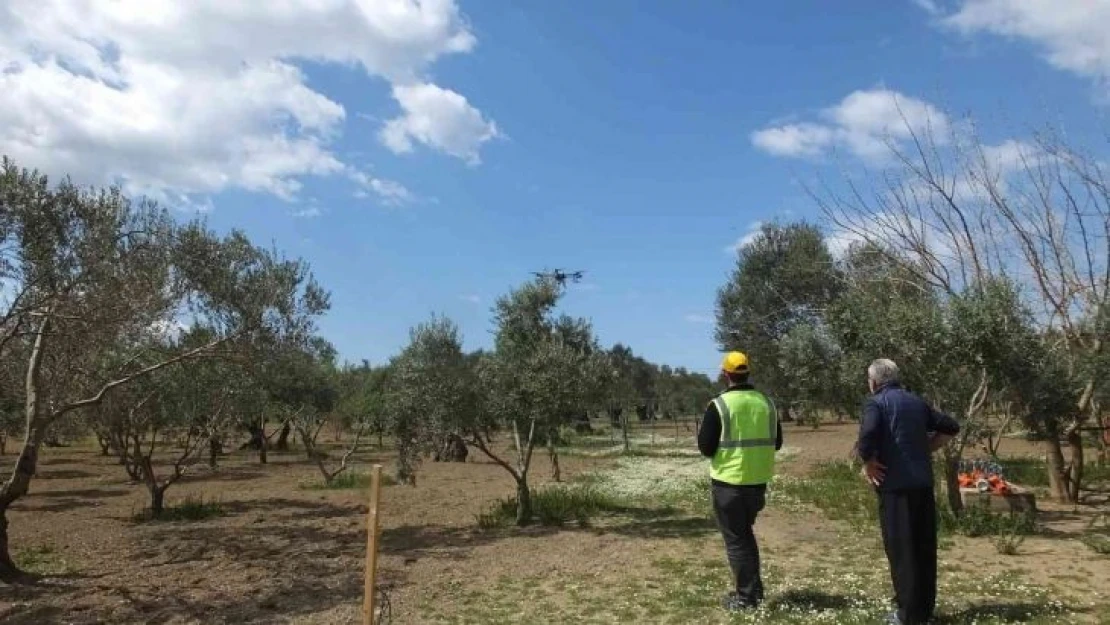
(740, 434)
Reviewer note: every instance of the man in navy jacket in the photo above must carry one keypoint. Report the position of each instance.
(898, 433)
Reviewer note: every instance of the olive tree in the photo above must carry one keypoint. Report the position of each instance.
(431, 394)
(92, 272)
(543, 370)
(784, 278)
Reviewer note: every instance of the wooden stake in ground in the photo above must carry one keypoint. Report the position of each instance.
(372, 544)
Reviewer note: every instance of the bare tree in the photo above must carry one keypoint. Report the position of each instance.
(1037, 213)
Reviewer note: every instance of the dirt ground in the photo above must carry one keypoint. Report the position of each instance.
(283, 553)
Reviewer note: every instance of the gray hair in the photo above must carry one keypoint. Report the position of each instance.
(883, 371)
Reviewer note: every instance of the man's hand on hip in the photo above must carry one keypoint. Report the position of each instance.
(874, 471)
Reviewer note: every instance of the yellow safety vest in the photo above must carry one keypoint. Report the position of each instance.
(749, 427)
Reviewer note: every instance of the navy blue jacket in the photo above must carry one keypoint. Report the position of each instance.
(895, 430)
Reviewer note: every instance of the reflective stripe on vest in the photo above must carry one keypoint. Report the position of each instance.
(728, 441)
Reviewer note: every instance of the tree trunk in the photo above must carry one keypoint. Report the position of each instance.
(381, 438)
(4, 444)
(262, 451)
(157, 501)
(523, 501)
(624, 432)
(215, 448)
(556, 471)
(283, 438)
(20, 481)
(9, 571)
(1075, 475)
(952, 484)
(453, 450)
(1054, 460)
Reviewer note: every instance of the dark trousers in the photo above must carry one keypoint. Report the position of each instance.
(909, 523)
(736, 508)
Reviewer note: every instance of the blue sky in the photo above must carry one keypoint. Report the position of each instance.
(622, 138)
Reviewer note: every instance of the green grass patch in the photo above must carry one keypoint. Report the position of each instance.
(1033, 472)
(349, 480)
(554, 506)
(41, 560)
(837, 489)
(188, 509)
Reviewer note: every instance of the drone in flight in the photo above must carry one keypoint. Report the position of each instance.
(560, 276)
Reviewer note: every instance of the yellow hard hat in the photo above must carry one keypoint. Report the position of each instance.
(735, 362)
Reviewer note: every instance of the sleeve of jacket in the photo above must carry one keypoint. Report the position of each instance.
(870, 430)
(709, 435)
(942, 423)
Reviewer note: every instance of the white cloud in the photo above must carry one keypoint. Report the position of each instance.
(749, 236)
(473, 299)
(388, 192)
(862, 123)
(311, 212)
(1072, 35)
(794, 139)
(700, 319)
(438, 118)
(179, 99)
(929, 6)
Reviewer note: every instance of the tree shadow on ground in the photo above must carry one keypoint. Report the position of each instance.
(810, 600)
(63, 474)
(63, 500)
(88, 493)
(1016, 612)
(286, 564)
(663, 527)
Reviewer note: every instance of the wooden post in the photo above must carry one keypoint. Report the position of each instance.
(372, 544)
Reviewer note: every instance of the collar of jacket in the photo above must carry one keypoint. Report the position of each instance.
(743, 386)
(886, 387)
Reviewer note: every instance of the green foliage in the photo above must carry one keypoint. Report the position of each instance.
(553, 506)
(979, 521)
(838, 490)
(350, 480)
(42, 560)
(190, 508)
(432, 392)
(784, 278)
(1033, 472)
(1097, 536)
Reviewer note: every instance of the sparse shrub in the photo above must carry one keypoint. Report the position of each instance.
(1097, 543)
(1007, 544)
(979, 521)
(350, 481)
(1097, 537)
(189, 509)
(553, 506)
(41, 560)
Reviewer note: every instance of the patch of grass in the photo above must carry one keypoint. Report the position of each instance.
(188, 509)
(837, 490)
(979, 521)
(1007, 543)
(41, 560)
(553, 506)
(1033, 472)
(349, 480)
(1097, 543)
